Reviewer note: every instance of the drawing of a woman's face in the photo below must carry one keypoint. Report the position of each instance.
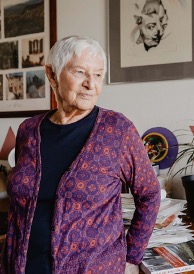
(152, 27)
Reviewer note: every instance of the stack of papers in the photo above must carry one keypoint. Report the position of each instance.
(169, 227)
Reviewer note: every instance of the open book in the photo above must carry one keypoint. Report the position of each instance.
(170, 258)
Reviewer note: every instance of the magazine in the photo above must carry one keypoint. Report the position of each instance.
(170, 258)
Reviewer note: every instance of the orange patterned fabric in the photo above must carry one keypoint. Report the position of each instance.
(88, 235)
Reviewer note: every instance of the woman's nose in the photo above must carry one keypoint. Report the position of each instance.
(89, 82)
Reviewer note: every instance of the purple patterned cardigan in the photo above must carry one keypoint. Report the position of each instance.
(88, 235)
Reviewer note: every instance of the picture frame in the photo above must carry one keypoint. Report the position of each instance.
(24, 88)
(132, 65)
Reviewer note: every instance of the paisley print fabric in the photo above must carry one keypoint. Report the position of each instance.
(88, 235)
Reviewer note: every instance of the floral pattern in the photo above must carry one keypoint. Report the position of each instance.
(88, 235)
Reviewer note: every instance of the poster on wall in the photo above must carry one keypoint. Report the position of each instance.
(24, 45)
(150, 40)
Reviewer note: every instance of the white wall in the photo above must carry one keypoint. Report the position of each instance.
(153, 104)
(164, 104)
(148, 104)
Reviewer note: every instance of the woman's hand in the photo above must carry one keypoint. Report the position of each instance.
(131, 269)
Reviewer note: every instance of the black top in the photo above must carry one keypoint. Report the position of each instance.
(60, 145)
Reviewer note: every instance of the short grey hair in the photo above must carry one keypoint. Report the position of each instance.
(64, 49)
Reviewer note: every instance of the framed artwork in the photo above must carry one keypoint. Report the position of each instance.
(27, 31)
(150, 40)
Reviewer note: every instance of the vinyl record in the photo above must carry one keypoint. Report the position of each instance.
(161, 145)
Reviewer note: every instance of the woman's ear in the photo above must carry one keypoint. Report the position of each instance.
(51, 76)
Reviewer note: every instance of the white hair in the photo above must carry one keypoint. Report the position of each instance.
(63, 50)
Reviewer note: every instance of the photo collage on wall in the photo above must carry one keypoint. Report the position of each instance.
(24, 43)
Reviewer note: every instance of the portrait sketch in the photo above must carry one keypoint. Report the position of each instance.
(152, 31)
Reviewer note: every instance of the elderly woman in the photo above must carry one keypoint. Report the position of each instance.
(65, 205)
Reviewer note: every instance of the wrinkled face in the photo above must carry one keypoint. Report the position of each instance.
(80, 81)
(152, 27)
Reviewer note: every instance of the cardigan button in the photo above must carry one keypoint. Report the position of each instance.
(52, 228)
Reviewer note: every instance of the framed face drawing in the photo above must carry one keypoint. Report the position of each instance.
(150, 40)
(28, 30)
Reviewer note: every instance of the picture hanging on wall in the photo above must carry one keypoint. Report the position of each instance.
(150, 40)
(26, 35)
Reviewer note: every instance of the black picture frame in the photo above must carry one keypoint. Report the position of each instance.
(148, 73)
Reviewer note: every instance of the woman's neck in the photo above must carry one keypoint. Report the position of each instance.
(62, 117)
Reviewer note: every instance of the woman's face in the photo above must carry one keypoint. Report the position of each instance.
(80, 82)
(151, 30)
(153, 26)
